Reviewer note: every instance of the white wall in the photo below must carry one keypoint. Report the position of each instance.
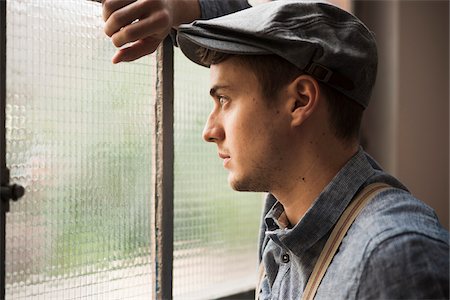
(406, 127)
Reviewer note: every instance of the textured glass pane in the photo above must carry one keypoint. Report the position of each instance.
(216, 228)
(79, 140)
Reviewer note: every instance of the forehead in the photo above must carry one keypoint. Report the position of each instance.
(234, 74)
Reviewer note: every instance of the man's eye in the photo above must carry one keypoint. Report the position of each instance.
(222, 100)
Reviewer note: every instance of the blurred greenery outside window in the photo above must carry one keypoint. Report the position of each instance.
(79, 136)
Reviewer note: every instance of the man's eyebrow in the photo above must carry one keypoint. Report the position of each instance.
(214, 89)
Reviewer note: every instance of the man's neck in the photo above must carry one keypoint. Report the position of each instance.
(318, 166)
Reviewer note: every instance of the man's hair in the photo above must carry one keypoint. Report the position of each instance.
(274, 72)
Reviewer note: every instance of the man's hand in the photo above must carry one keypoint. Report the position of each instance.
(144, 23)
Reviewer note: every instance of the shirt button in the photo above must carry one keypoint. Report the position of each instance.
(285, 258)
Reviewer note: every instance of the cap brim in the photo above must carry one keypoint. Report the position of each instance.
(189, 44)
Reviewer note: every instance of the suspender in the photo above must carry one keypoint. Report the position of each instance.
(334, 241)
(261, 274)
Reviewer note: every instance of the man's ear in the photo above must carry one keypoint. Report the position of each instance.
(304, 95)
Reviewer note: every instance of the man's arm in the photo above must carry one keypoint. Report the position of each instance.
(146, 23)
(411, 266)
(217, 8)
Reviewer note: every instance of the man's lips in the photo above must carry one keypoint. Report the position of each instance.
(225, 158)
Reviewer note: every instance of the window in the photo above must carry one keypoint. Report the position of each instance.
(80, 137)
(78, 132)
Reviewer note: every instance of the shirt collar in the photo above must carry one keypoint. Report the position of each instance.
(276, 218)
(326, 209)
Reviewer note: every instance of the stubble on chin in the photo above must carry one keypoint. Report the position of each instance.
(248, 184)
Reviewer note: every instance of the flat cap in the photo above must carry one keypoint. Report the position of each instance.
(320, 39)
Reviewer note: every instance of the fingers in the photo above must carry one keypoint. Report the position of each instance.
(145, 23)
(122, 17)
(125, 15)
(137, 50)
(156, 25)
(110, 6)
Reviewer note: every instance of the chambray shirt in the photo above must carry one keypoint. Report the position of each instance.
(216, 8)
(210, 9)
(395, 249)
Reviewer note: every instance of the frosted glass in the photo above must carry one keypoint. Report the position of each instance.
(78, 139)
(215, 228)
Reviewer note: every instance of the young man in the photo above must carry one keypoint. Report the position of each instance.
(290, 81)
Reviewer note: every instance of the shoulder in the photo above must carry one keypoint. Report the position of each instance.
(409, 265)
(406, 250)
(395, 212)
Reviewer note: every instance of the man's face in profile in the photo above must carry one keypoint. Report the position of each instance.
(250, 133)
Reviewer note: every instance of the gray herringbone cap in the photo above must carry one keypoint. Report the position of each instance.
(321, 39)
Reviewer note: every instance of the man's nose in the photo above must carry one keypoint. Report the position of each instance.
(213, 131)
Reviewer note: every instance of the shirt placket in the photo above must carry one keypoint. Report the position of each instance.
(283, 268)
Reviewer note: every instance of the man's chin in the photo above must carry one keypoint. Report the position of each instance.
(242, 185)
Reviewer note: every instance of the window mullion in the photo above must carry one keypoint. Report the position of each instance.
(3, 180)
(163, 172)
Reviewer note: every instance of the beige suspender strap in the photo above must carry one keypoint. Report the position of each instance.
(338, 233)
(261, 274)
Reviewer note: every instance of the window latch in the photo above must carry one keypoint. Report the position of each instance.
(10, 191)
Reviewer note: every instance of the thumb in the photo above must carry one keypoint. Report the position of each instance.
(137, 50)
